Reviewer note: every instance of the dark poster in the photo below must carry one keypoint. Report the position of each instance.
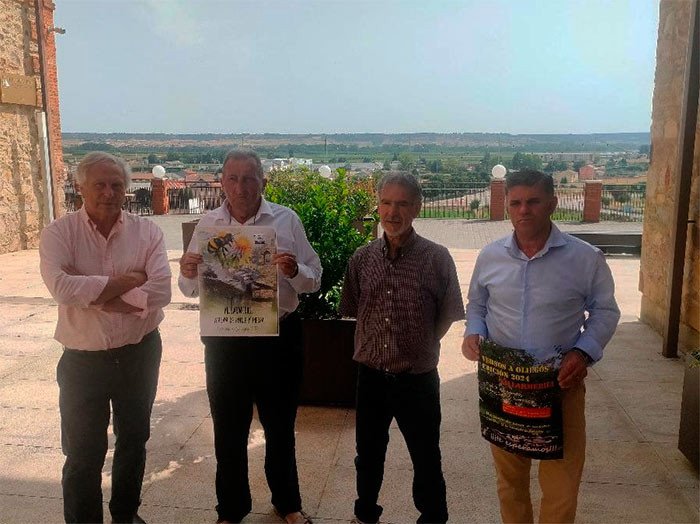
(520, 402)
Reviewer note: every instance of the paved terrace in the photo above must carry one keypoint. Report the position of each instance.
(634, 473)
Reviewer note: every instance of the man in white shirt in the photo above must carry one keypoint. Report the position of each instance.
(265, 371)
(108, 271)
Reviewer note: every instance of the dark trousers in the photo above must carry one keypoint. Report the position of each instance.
(414, 400)
(265, 371)
(88, 381)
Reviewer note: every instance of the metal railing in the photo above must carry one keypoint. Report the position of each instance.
(570, 203)
(469, 202)
(196, 198)
(620, 203)
(139, 202)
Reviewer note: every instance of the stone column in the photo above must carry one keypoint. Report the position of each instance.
(498, 199)
(159, 197)
(592, 192)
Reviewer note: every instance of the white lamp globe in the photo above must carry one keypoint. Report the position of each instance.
(158, 171)
(324, 171)
(499, 171)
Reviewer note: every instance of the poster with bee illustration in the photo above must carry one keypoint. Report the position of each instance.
(237, 281)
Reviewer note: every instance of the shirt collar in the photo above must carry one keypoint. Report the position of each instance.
(83, 214)
(406, 248)
(264, 209)
(556, 239)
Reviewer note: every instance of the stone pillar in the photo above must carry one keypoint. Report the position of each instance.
(159, 201)
(498, 199)
(592, 193)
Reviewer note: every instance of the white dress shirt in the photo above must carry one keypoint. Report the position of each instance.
(76, 263)
(290, 238)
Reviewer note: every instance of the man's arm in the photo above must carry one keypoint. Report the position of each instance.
(118, 285)
(155, 292)
(451, 307)
(308, 275)
(65, 284)
(603, 312)
(189, 267)
(350, 293)
(477, 300)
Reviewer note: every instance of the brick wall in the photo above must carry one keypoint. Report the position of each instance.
(51, 79)
(662, 180)
(23, 206)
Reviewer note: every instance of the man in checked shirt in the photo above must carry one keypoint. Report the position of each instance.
(404, 292)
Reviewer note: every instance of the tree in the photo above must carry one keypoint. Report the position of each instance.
(564, 180)
(579, 164)
(153, 158)
(644, 149)
(526, 161)
(406, 161)
(555, 165)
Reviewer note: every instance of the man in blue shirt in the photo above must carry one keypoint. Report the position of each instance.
(547, 293)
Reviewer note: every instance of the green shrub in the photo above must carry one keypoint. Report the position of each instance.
(332, 213)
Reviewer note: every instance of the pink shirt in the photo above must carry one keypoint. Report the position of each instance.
(76, 263)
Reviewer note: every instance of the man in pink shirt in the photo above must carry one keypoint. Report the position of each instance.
(108, 271)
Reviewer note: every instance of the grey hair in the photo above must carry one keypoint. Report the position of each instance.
(246, 155)
(530, 178)
(406, 180)
(100, 157)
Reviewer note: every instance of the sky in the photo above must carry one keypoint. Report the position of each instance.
(356, 66)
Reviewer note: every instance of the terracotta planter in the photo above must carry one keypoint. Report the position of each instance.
(330, 374)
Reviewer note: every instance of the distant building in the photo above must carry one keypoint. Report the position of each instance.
(587, 172)
(569, 175)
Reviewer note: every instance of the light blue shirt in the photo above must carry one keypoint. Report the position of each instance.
(561, 298)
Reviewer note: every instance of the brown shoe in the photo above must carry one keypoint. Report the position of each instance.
(297, 517)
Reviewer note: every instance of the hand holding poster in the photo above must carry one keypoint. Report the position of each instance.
(237, 281)
(520, 402)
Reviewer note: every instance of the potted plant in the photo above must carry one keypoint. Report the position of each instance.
(333, 212)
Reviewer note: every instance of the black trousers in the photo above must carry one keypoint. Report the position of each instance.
(265, 371)
(414, 400)
(126, 377)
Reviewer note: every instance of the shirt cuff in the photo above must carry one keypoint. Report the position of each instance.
(590, 348)
(92, 287)
(137, 298)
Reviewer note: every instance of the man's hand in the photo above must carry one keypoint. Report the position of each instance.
(189, 263)
(470, 347)
(287, 263)
(139, 278)
(120, 284)
(573, 370)
(117, 305)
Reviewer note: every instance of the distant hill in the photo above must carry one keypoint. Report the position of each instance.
(599, 142)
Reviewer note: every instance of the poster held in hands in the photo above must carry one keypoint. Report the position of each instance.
(237, 281)
(520, 402)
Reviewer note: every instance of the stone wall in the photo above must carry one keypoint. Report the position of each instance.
(23, 188)
(662, 181)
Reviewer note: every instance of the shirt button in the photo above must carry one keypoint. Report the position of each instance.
(385, 345)
(386, 319)
(388, 292)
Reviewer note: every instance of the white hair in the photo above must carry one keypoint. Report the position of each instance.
(100, 157)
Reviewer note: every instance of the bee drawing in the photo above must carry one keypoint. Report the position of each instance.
(220, 245)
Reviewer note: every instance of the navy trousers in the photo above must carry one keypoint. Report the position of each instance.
(414, 400)
(126, 377)
(265, 371)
